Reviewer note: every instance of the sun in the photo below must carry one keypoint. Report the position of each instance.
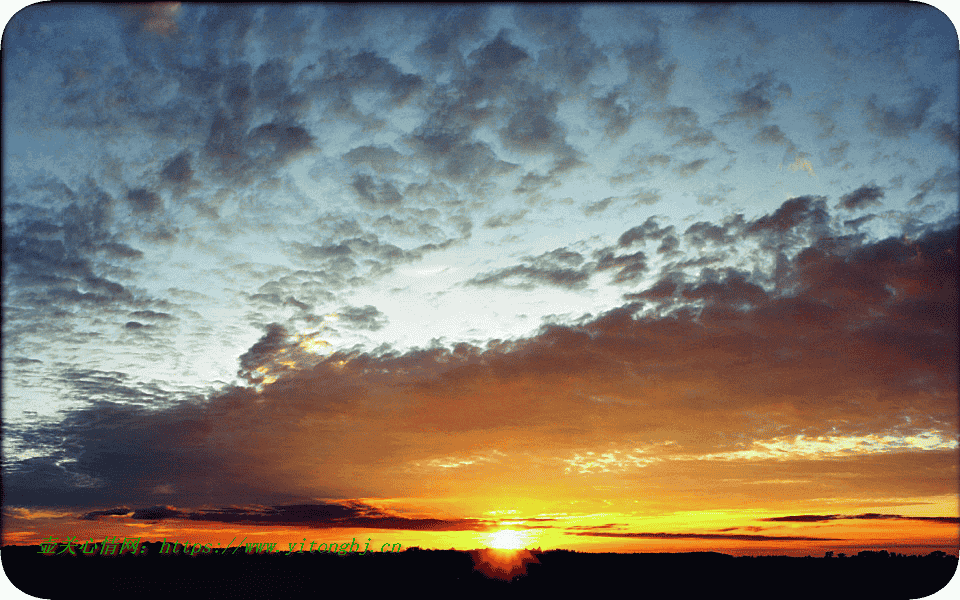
(507, 539)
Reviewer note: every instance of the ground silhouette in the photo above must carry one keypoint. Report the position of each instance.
(868, 574)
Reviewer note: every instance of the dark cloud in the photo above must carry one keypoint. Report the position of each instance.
(40, 228)
(456, 158)
(661, 291)
(720, 18)
(119, 250)
(756, 102)
(453, 24)
(684, 122)
(504, 220)
(178, 170)
(649, 63)
(859, 198)
(380, 158)
(617, 118)
(944, 181)
(702, 232)
(144, 201)
(597, 207)
(691, 168)
(947, 134)
(707, 536)
(867, 516)
(837, 153)
(899, 121)
(569, 55)
(280, 142)
(669, 245)
(793, 212)
(534, 128)
(263, 352)
(499, 56)
(374, 195)
(641, 233)
(646, 197)
(157, 513)
(734, 290)
(149, 314)
(367, 317)
(632, 266)
(856, 223)
(553, 268)
(113, 512)
(341, 261)
(327, 516)
(772, 134)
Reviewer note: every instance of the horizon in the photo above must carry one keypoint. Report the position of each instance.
(243, 550)
(604, 278)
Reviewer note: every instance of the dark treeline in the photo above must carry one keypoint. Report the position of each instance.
(873, 575)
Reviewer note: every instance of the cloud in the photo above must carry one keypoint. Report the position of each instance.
(152, 315)
(380, 159)
(262, 353)
(899, 121)
(887, 307)
(706, 536)
(156, 513)
(944, 181)
(837, 153)
(617, 118)
(641, 233)
(793, 212)
(569, 55)
(662, 290)
(372, 194)
(648, 62)
(631, 266)
(120, 250)
(947, 134)
(756, 102)
(144, 201)
(504, 219)
(159, 18)
(691, 168)
(499, 56)
(554, 268)
(772, 134)
(862, 196)
(113, 512)
(702, 232)
(178, 170)
(352, 514)
(867, 516)
(455, 158)
(367, 317)
(451, 26)
(685, 123)
(598, 207)
(856, 223)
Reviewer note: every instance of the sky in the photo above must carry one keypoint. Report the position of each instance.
(632, 278)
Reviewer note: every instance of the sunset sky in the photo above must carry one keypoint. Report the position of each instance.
(628, 278)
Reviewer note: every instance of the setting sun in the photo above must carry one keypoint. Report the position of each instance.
(507, 540)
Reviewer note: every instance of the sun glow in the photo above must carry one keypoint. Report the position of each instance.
(507, 539)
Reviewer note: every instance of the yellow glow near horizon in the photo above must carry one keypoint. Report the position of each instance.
(507, 539)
